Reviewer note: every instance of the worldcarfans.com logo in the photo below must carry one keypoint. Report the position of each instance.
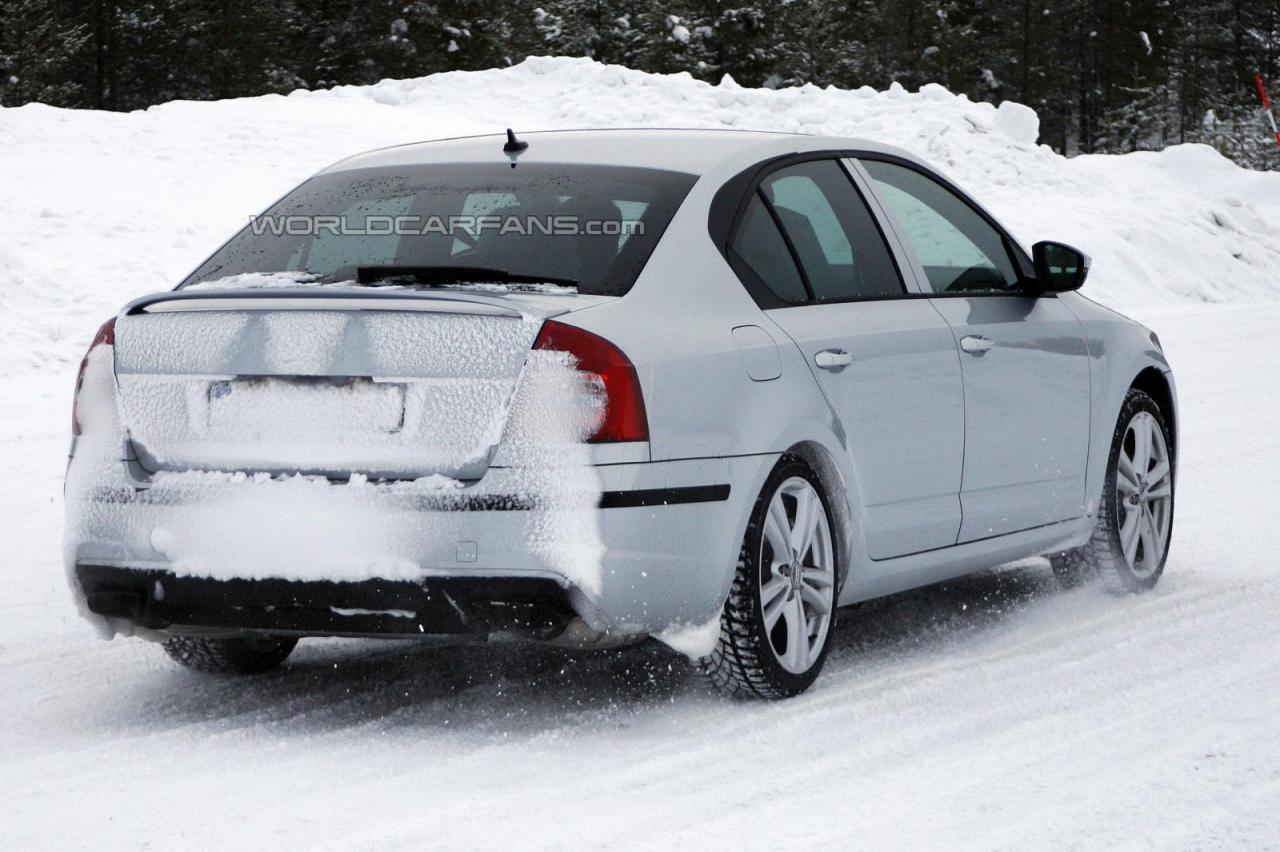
(466, 227)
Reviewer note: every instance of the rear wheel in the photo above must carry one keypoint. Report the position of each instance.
(776, 625)
(238, 655)
(1135, 515)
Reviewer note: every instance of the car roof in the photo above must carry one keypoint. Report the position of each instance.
(693, 151)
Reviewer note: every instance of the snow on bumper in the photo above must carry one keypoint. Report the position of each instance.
(660, 542)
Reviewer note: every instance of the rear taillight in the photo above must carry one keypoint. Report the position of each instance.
(106, 336)
(624, 416)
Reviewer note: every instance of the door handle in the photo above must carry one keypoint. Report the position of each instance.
(976, 344)
(833, 359)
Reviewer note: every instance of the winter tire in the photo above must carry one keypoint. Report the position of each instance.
(240, 655)
(1135, 515)
(775, 628)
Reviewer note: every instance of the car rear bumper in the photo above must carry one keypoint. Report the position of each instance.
(159, 600)
(663, 543)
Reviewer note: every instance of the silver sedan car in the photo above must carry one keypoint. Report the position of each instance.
(590, 387)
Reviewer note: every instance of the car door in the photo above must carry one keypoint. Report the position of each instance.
(1026, 369)
(886, 363)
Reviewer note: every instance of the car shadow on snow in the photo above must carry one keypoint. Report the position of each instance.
(929, 620)
(511, 688)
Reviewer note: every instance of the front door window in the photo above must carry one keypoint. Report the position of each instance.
(960, 251)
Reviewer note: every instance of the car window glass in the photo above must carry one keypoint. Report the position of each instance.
(587, 225)
(479, 204)
(630, 212)
(837, 241)
(800, 195)
(330, 247)
(960, 251)
(760, 245)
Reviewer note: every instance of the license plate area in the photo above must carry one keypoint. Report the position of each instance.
(301, 406)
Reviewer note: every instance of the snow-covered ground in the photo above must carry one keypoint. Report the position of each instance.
(994, 712)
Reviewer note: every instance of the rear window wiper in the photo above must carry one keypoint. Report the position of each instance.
(443, 276)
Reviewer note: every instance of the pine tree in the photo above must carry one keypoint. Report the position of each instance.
(38, 44)
(1104, 75)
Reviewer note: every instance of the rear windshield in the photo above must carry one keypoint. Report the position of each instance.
(590, 227)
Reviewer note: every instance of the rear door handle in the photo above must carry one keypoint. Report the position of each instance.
(976, 344)
(833, 359)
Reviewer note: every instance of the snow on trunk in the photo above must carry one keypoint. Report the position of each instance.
(401, 394)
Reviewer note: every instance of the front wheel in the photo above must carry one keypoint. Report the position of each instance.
(776, 625)
(1135, 515)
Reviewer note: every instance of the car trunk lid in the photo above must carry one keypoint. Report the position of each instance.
(325, 381)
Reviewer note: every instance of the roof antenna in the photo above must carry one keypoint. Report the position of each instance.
(514, 147)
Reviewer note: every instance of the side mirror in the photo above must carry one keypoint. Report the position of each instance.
(1059, 268)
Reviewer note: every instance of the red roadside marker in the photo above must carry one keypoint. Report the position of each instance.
(1266, 105)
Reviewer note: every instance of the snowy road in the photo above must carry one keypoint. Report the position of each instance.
(995, 712)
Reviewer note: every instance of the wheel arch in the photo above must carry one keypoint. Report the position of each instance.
(835, 487)
(1155, 384)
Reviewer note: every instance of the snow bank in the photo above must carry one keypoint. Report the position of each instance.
(100, 207)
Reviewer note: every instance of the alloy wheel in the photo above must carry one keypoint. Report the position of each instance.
(1144, 494)
(797, 575)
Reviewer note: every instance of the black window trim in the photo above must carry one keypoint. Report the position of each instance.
(730, 203)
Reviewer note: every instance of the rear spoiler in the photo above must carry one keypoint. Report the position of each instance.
(332, 299)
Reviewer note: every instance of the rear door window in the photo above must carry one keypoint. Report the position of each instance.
(832, 233)
(759, 244)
